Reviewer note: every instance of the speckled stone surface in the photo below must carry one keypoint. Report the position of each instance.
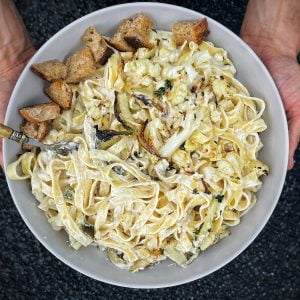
(268, 269)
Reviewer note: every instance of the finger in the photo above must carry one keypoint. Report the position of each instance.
(294, 138)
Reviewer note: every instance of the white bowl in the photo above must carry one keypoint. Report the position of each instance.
(251, 72)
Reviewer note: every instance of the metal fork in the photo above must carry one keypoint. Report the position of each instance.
(62, 148)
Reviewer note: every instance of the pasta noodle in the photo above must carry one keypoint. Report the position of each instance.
(174, 184)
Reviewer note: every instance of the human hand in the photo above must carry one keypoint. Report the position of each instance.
(15, 50)
(271, 28)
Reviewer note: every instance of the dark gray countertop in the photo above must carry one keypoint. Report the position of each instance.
(268, 269)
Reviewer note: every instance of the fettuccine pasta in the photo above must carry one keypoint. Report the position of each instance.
(183, 172)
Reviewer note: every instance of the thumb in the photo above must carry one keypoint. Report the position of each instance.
(294, 137)
(1, 154)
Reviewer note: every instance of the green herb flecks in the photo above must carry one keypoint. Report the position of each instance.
(195, 191)
(137, 154)
(160, 92)
(168, 84)
(219, 198)
(68, 194)
(197, 231)
(163, 89)
(119, 170)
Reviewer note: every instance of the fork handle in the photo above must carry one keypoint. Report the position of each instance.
(11, 134)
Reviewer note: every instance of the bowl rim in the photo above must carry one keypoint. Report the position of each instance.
(179, 281)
